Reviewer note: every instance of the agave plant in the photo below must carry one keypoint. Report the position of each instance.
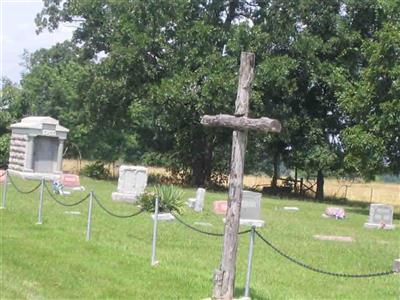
(170, 199)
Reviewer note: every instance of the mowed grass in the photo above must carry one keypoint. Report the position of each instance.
(53, 260)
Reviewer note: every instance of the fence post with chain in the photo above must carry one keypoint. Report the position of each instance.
(89, 221)
(249, 262)
(154, 262)
(39, 222)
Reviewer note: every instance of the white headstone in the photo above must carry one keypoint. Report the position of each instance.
(132, 182)
(197, 203)
(380, 216)
(250, 213)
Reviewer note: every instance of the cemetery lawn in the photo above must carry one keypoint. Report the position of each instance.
(54, 261)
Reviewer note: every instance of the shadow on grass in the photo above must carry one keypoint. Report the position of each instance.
(239, 292)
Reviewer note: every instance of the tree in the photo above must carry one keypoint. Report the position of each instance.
(11, 108)
(300, 44)
(372, 106)
(151, 48)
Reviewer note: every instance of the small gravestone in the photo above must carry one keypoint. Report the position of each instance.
(220, 207)
(250, 213)
(197, 203)
(132, 182)
(396, 265)
(380, 216)
(71, 181)
(2, 175)
(334, 212)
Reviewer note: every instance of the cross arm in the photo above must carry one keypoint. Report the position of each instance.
(242, 123)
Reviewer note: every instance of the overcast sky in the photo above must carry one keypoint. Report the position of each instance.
(17, 32)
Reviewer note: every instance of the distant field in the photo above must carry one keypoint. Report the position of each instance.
(358, 191)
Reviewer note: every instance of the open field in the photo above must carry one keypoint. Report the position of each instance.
(357, 191)
(53, 260)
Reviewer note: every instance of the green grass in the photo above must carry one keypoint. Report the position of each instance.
(53, 260)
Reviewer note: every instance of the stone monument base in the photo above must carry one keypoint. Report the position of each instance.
(131, 198)
(379, 226)
(35, 176)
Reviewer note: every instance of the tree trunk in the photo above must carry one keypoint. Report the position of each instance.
(319, 195)
(275, 176)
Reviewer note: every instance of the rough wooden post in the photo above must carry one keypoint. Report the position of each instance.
(224, 277)
(224, 280)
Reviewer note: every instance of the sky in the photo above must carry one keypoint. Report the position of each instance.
(17, 32)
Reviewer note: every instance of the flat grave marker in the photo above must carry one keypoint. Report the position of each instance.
(333, 238)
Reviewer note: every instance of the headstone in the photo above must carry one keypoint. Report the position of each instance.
(250, 213)
(334, 238)
(71, 181)
(2, 175)
(396, 265)
(251, 206)
(334, 212)
(220, 207)
(132, 182)
(380, 216)
(36, 148)
(197, 203)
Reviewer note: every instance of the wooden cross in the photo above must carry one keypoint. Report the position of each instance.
(224, 277)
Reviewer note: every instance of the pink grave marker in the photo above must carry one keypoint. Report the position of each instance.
(2, 175)
(70, 181)
(220, 207)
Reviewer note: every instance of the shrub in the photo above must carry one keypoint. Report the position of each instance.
(147, 201)
(4, 149)
(96, 170)
(171, 199)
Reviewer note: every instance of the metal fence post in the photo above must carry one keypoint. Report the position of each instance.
(39, 222)
(89, 221)
(3, 202)
(249, 262)
(154, 262)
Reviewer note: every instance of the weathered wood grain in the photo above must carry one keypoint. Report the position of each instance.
(242, 123)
